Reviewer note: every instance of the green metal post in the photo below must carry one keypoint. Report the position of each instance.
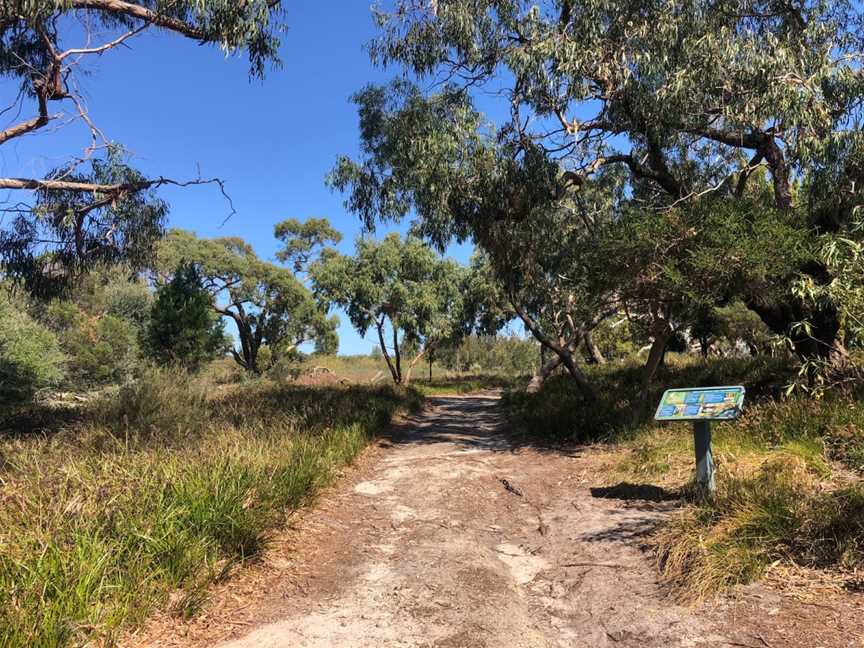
(704, 460)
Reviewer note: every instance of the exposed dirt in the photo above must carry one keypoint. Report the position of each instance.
(450, 535)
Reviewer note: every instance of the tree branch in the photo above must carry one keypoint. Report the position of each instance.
(103, 48)
(142, 13)
(30, 125)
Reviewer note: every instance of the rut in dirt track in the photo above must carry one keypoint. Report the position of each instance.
(454, 536)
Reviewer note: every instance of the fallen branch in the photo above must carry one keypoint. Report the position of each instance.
(591, 564)
(510, 487)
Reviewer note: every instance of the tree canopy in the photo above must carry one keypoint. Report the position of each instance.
(400, 284)
(721, 142)
(267, 304)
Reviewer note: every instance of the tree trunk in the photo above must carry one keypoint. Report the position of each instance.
(824, 342)
(393, 373)
(397, 356)
(538, 379)
(407, 377)
(662, 333)
(592, 352)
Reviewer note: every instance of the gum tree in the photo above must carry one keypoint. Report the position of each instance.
(690, 100)
(402, 289)
(266, 303)
(95, 208)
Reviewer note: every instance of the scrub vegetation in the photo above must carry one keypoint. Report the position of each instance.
(669, 195)
(788, 472)
(146, 495)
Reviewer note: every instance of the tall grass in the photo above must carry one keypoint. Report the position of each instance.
(158, 492)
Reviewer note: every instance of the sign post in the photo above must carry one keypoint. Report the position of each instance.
(702, 406)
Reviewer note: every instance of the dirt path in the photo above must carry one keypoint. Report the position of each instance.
(449, 536)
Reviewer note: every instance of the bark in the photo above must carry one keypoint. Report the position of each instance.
(592, 352)
(564, 351)
(397, 356)
(773, 155)
(379, 325)
(543, 374)
(141, 13)
(662, 333)
(407, 377)
(823, 343)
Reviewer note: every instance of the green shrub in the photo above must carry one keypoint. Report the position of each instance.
(30, 355)
(101, 349)
(162, 404)
(128, 300)
(561, 413)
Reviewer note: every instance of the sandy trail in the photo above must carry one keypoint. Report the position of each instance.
(450, 536)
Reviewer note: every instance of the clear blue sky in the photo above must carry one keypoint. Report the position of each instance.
(177, 106)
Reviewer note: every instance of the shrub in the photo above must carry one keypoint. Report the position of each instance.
(163, 404)
(101, 349)
(30, 355)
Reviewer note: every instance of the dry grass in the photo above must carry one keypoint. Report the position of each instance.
(145, 498)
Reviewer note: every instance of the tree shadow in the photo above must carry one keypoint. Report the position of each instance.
(636, 492)
(477, 422)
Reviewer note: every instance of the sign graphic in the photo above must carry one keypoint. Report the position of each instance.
(702, 404)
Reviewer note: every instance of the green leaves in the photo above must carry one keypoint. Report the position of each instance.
(266, 302)
(400, 281)
(183, 328)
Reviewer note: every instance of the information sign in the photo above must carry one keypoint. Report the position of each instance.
(701, 404)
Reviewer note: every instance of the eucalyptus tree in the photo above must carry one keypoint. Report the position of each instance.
(266, 302)
(396, 284)
(688, 98)
(94, 207)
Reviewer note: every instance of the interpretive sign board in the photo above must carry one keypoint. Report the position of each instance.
(701, 404)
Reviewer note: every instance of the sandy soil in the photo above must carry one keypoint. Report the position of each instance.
(450, 535)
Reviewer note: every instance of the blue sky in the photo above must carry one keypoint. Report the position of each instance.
(178, 106)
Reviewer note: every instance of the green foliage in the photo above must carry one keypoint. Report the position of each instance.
(95, 211)
(100, 348)
(30, 354)
(562, 413)
(266, 303)
(301, 240)
(183, 328)
(511, 355)
(130, 300)
(397, 282)
(77, 228)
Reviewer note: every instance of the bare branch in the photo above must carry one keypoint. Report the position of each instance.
(30, 125)
(103, 48)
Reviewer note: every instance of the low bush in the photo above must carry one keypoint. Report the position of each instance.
(101, 349)
(561, 413)
(30, 356)
(162, 403)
